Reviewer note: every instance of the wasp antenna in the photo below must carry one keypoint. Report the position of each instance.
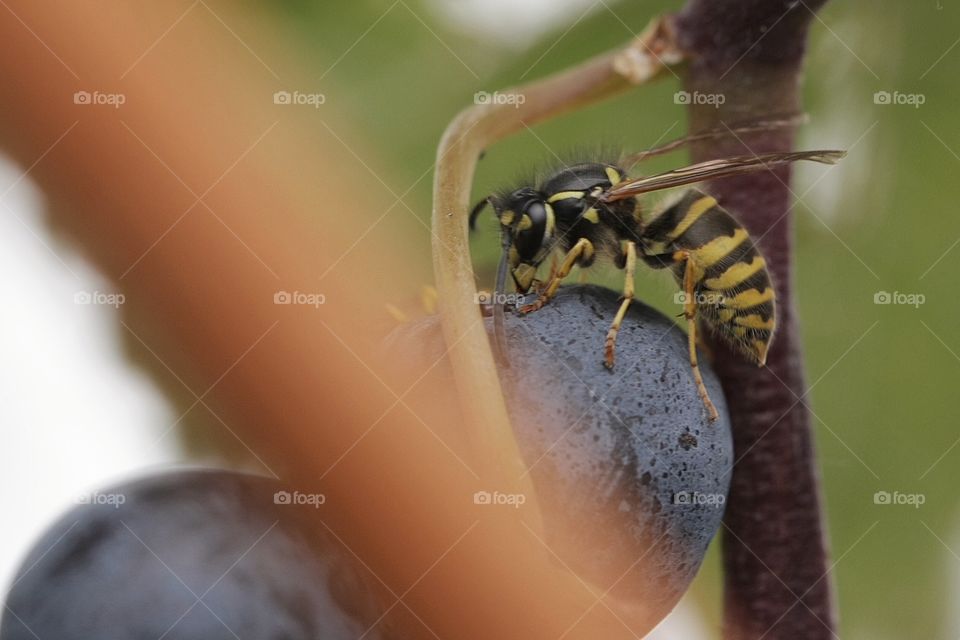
(477, 208)
(499, 333)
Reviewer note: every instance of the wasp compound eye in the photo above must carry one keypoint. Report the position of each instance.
(529, 231)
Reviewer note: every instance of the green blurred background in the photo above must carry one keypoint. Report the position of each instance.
(883, 376)
(884, 220)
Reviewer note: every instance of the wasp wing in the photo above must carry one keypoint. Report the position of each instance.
(711, 169)
(720, 132)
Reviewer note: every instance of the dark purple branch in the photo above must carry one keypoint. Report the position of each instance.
(775, 552)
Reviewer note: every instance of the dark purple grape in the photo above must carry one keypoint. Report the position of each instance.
(631, 474)
(197, 555)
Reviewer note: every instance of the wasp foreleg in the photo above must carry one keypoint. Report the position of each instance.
(583, 248)
(630, 267)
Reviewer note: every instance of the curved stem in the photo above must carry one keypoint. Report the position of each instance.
(465, 139)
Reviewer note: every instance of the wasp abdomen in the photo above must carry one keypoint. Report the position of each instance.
(732, 287)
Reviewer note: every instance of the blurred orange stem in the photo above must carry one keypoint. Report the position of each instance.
(203, 199)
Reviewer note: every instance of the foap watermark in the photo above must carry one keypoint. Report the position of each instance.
(898, 297)
(699, 499)
(699, 298)
(497, 498)
(506, 299)
(314, 500)
(912, 499)
(99, 297)
(299, 297)
(99, 98)
(314, 100)
(110, 499)
(696, 97)
(484, 97)
(895, 97)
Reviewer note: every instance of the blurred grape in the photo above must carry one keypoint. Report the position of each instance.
(192, 555)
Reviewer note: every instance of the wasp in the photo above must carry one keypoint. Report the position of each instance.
(590, 210)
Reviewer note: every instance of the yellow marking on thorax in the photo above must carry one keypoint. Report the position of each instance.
(564, 195)
(506, 218)
(592, 215)
(551, 221)
(749, 298)
(718, 248)
(735, 274)
(693, 214)
(755, 321)
(613, 175)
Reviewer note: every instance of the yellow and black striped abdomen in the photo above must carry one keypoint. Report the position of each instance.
(734, 294)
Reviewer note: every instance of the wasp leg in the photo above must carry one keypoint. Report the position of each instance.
(583, 247)
(690, 312)
(630, 267)
(539, 286)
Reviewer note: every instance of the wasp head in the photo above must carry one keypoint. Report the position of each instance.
(526, 228)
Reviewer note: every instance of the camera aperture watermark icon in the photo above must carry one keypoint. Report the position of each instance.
(696, 97)
(897, 98)
(696, 498)
(513, 99)
(315, 500)
(96, 498)
(498, 498)
(299, 298)
(899, 298)
(99, 98)
(109, 299)
(299, 98)
(699, 298)
(506, 299)
(915, 500)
